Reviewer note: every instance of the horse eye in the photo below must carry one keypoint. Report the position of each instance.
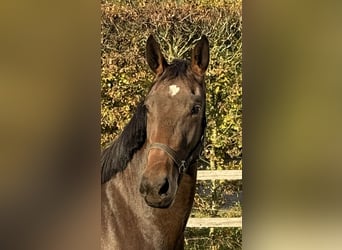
(195, 109)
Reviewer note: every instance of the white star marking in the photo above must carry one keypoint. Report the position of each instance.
(173, 90)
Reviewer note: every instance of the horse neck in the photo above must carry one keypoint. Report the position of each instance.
(122, 193)
(126, 183)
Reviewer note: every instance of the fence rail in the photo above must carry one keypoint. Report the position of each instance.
(219, 175)
(217, 222)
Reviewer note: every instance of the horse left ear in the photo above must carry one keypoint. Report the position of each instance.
(154, 57)
(200, 56)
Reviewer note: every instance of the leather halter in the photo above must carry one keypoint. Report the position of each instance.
(182, 164)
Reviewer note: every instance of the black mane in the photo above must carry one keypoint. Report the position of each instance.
(115, 158)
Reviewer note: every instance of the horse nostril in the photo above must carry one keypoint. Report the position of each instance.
(164, 188)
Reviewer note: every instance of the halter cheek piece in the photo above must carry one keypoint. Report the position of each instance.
(182, 165)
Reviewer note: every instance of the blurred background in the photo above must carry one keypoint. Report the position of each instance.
(292, 119)
(49, 125)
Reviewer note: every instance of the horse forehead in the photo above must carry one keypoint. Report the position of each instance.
(173, 89)
(176, 93)
(172, 96)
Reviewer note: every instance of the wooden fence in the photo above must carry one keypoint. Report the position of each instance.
(217, 222)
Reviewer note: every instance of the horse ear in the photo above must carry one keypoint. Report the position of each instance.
(154, 57)
(200, 56)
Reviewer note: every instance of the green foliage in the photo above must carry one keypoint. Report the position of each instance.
(216, 199)
(213, 239)
(126, 78)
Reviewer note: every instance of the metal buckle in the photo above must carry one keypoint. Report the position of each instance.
(182, 167)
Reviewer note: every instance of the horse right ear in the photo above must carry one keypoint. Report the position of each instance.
(200, 56)
(154, 57)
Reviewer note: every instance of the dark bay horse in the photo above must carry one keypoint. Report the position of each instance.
(148, 173)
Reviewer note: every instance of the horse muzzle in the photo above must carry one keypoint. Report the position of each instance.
(158, 203)
(158, 190)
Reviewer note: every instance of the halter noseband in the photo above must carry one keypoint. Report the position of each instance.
(182, 165)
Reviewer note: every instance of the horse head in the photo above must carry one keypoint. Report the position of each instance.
(175, 121)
